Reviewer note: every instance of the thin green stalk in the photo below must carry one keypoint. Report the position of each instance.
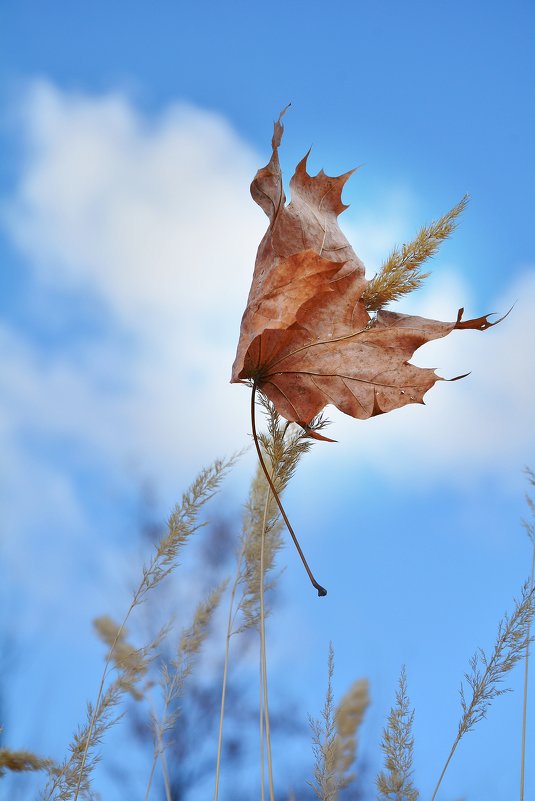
(525, 698)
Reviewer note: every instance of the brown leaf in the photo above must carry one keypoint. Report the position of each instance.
(306, 339)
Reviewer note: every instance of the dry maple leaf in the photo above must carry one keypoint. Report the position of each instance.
(306, 337)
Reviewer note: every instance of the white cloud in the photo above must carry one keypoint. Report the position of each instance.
(147, 230)
(148, 226)
(151, 218)
(152, 222)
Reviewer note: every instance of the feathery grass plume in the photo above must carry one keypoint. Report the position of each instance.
(487, 673)
(190, 644)
(22, 761)
(260, 505)
(73, 776)
(400, 274)
(182, 524)
(348, 718)
(132, 663)
(530, 529)
(326, 782)
(193, 638)
(395, 782)
(172, 682)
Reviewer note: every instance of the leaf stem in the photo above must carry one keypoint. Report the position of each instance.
(321, 590)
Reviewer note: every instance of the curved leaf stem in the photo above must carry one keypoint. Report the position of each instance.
(321, 590)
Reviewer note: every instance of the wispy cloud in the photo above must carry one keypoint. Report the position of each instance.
(147, 228)
(147, 224)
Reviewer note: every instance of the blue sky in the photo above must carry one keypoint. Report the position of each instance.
(127, 242)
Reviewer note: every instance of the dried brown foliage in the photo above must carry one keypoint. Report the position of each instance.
(307, 338)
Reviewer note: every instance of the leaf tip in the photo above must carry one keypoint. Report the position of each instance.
(457, 377)
(479, 323)
(278, 128)
(313, 434)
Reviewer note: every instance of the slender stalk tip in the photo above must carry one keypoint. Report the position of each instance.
(321, 590)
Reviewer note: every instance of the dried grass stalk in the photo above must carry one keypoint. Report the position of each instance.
(132, 663)
(189, 647)
(282, 445)
(400, 274)
(487, 673)
(530, 529)
(348, 719)
(395, 782)
(326, 782)
(172, 681)
(74, 776)
(334, 737)
(22, 761)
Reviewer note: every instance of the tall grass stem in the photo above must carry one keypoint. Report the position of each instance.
(525, 695)
(225, 675)
(263, 661)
